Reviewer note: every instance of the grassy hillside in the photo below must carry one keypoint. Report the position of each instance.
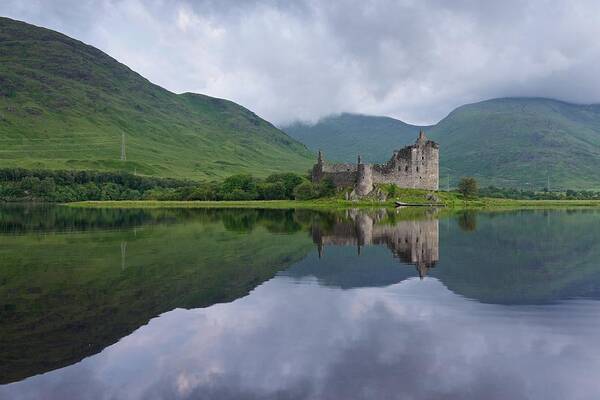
(519, 142)
(512, 142)
(66, 105)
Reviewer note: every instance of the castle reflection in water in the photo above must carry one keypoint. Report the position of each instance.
(412, 241)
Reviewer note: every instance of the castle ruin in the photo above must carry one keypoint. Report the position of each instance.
(415, 166)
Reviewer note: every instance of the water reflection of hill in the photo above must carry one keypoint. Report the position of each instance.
(98, 277)
(519, 257)
(67, 296)
(47, 218)
(522, 257)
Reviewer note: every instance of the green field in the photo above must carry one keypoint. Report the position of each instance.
(67, 105)
(511, 142)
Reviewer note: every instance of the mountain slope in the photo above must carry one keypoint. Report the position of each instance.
(520, 142)
(384, 134)
(512, 142)
(64, 104)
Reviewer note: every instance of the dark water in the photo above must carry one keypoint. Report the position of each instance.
(282, 304)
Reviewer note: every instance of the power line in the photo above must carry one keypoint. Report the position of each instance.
(123, 156)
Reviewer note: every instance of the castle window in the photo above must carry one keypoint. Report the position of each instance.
(417, 169)
(406, 169)
(422, 157)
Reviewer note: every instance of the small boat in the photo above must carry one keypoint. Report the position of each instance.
(402, 204)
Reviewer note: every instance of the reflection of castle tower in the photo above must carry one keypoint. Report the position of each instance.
(414, 242)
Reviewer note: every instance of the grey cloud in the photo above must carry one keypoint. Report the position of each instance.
(306, 59)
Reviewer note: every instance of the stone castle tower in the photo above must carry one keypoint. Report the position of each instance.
(415, 166)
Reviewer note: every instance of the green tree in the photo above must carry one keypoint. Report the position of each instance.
(326, 188)
(289, 181)
(47, 186)
(271, 191)
(239, 187)
(110, 191)
(468, 187)
(306, 191)
(203, 192)
(244, 183)
(239, 194)
(30, 184)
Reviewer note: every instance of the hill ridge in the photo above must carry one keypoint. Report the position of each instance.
(65, 105)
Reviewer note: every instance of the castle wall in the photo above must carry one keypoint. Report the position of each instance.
(412, 167)
(342, 175)
(415, 166)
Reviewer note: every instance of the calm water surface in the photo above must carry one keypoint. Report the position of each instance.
(283, 304)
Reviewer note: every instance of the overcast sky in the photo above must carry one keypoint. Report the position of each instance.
(286, 60)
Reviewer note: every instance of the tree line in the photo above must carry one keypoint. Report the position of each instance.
(17, 184)
(469, 188)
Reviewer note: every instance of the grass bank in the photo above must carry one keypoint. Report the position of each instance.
(483, 203)
(271, 204)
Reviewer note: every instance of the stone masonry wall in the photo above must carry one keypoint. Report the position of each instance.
(415, 166)
(412, 167)
(342, 175)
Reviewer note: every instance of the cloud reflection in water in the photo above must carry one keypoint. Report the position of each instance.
(415, 339)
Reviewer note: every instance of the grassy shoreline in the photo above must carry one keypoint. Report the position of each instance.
(481, 203)
(270, 204)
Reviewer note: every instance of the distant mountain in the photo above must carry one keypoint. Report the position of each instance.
(512, 142)
(67, 105)
(344, 136)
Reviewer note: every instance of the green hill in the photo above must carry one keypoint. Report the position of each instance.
(66, 105)
(512, 142)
